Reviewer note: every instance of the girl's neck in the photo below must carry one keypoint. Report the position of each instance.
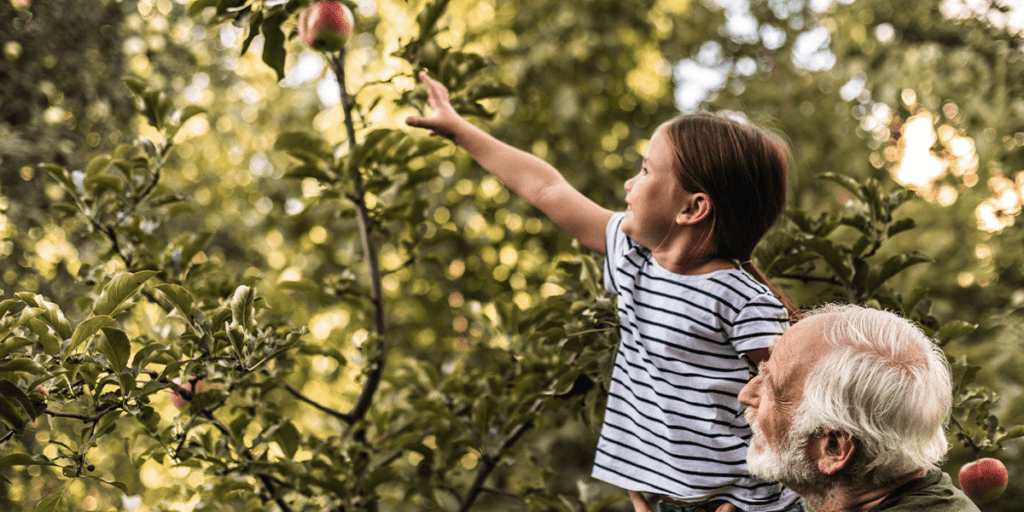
(692, 266)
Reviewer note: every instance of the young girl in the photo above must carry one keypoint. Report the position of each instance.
(693, 308)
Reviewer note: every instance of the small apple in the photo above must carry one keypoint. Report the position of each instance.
(984, 479)
(179, 401)
(326, 26)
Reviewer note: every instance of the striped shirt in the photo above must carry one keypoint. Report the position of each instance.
(673, 425)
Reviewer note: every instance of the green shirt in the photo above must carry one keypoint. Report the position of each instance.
(933, 492)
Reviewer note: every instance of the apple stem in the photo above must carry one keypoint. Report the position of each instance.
(963, 435)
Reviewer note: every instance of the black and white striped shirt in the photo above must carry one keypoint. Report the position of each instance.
(673, 425)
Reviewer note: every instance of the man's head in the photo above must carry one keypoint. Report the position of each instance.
(849, 394)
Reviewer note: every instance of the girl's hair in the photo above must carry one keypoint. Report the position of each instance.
(742, 169)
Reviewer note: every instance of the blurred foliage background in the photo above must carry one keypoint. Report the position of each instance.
(928, 95)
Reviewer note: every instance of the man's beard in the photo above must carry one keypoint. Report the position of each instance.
(790, 465)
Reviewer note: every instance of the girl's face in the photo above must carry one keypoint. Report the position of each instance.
(654, 197)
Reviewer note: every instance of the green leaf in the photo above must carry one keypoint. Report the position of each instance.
(44, 335)
(963, 373)
(13, 344)
(24, 459)
(308, 147)
(834, 256)
(11, 392)
(197, 243)
(427, 19)
(243, 311)
(97, 165)
(198, 6)
(900, 226)
(55, 502)
(309, 171)
(189, 112)
(61, 175)
(1013, 433)
(10, 413)
(116, 347)
(895, 265)
(23, 365)
(51, 313)
(120, 485)
(273, 45)
(120, 289)
(288, 438)
(954, 329)
(180, 297)
(850, 184)
(491, 90)
(135, 84)
(86, 329)
(254, 30)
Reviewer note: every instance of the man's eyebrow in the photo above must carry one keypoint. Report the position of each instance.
(762, 371)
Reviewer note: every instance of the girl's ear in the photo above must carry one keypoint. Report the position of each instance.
(696, 208)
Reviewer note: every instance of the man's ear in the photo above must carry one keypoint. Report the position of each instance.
(832, 451)
(696, 209)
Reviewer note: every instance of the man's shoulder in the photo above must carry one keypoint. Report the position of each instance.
(933, 492)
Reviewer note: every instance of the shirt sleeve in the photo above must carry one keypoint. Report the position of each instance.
(761, 320)
(615, 243)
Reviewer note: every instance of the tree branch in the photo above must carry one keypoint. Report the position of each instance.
(337, 414)
(489, 463)
(810, 279)
(376, 367)
(83, 417)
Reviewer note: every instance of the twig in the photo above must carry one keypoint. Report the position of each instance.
(963, 435)
(809, 279)
(376, 368)
(83, 417)
(490, 463)
(337, 414)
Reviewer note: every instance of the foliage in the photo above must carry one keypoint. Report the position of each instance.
(383, 327)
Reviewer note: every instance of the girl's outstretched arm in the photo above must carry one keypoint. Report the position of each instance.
(526, 174)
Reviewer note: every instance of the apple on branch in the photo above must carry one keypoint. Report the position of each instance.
(326, 26)
(984, 479)
(179, 401)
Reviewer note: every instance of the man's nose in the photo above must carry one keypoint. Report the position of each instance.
(749, 395)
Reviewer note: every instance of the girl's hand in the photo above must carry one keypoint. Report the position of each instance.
(639, 503)
(445, 120)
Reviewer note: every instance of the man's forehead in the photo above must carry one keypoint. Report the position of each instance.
(809, 330)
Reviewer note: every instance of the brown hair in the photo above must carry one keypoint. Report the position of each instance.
(742, 170)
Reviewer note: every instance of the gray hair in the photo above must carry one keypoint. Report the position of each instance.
(885, 384)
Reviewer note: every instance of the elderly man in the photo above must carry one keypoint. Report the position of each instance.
(849, 412)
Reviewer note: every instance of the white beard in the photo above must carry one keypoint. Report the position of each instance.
(789, 466)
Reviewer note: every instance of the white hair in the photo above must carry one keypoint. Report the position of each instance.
(886, 385)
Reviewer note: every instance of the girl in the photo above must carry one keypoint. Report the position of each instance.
(693, 308)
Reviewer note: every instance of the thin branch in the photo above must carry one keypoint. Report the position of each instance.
(490, 463)
(376, 367)
(83, 417)
(337, 414)
(809, 279)
(963, 435)
(503, 492)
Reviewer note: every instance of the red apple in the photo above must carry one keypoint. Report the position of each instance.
(326, 26)
(984, 479)
(179, 401)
